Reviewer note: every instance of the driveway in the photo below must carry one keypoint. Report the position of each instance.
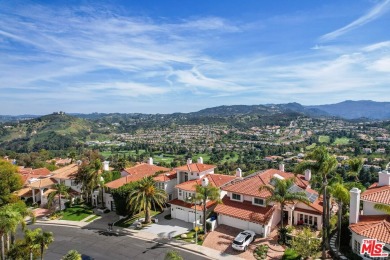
(168, 228)
(222, 237)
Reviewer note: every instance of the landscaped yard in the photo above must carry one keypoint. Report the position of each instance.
(127, 222)
(310, 147)
(190, 237)
(76, 213)
(341, 141)
(323, 139)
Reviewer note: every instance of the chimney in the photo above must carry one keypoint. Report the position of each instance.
(106, 166)
(150, 161)
(281, 167)
(200, 160)
(354, 207)
(205, 182)
(238, 173)
(189, 161)
(308, 174)
(384, 178)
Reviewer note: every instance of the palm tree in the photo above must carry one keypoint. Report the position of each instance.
(173, 255)
(205, 193)
(44, 239)
(9, 221)
(31, 242)
(72, 255)
(341, 195)
(355, 166)
(22, 209)
(281, 194)
(60, 190)
(321, 163)
(144, 195)
(383, 207)
(88, 176)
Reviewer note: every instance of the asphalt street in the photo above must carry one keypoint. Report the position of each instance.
(94, 244)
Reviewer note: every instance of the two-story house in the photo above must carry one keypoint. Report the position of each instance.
(370, 223)
(188, 177)
(244, 206)
(166, 180)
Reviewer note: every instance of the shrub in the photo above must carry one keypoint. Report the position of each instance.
(208, 226)
(261, 252)
(106, 211)
(72, 255)
(200, 237)
(168, 217)
(290, 254)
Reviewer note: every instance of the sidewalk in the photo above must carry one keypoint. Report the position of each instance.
(205, 251)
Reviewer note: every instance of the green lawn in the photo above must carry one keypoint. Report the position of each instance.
(127, 222)
(76, 213)
(323, 139)
(312, 146)
(190, 237)
(341, 141)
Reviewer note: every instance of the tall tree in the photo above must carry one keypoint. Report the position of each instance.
(9, 221)
(31, 243)
(355, 166)
(60, 190)
(203, 194)
(44, 239)
(280, 193)
(10, 181)
(341, 195)
(145, 195)
(322, 164)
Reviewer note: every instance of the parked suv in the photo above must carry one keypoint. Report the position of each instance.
(243, 239)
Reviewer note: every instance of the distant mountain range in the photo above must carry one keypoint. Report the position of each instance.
(363, 109)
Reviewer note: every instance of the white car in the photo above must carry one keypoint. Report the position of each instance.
(243, 239)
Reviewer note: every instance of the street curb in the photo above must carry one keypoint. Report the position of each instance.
(135, 236)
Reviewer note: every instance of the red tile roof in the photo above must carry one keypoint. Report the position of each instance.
(377, 194)
(66, 173)
(145, 169)
(184, 204)
(41, 172)
(245, 211)
(43, 183)
(216, 180)
(375, 227)
(136, 173)
(164, 177)
(196, 167)
(250, 185)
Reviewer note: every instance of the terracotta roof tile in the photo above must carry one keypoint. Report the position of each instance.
(41, 172)
(145, 169)
(216, 180)
(184, 204)
(66, 173)
(377, 194)
(135, 173)
(196, 167)
(164, 177)
(42, 183)
(250, 185)
(375, 227)
(25, 192)
(245, 211)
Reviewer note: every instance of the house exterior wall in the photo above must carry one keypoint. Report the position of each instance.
(368, 209)
(185, 214)
(170, 188)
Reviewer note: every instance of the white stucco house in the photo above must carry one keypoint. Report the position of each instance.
(370, 223)
(188, 177)
(244, 206)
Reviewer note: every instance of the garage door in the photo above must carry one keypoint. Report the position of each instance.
(181, 214)
(191, 216)
(233, 222)
(241, 224)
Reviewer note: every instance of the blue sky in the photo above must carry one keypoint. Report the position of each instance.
(181, 56)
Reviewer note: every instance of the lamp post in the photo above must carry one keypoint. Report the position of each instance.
(102, 186)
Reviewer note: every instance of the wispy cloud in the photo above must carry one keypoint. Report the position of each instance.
(375, 12)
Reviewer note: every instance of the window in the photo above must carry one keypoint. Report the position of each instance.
(258, 201)
(356, 247)
(236, 196)
(180, 193)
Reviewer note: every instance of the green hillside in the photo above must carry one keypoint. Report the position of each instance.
(52, 132)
